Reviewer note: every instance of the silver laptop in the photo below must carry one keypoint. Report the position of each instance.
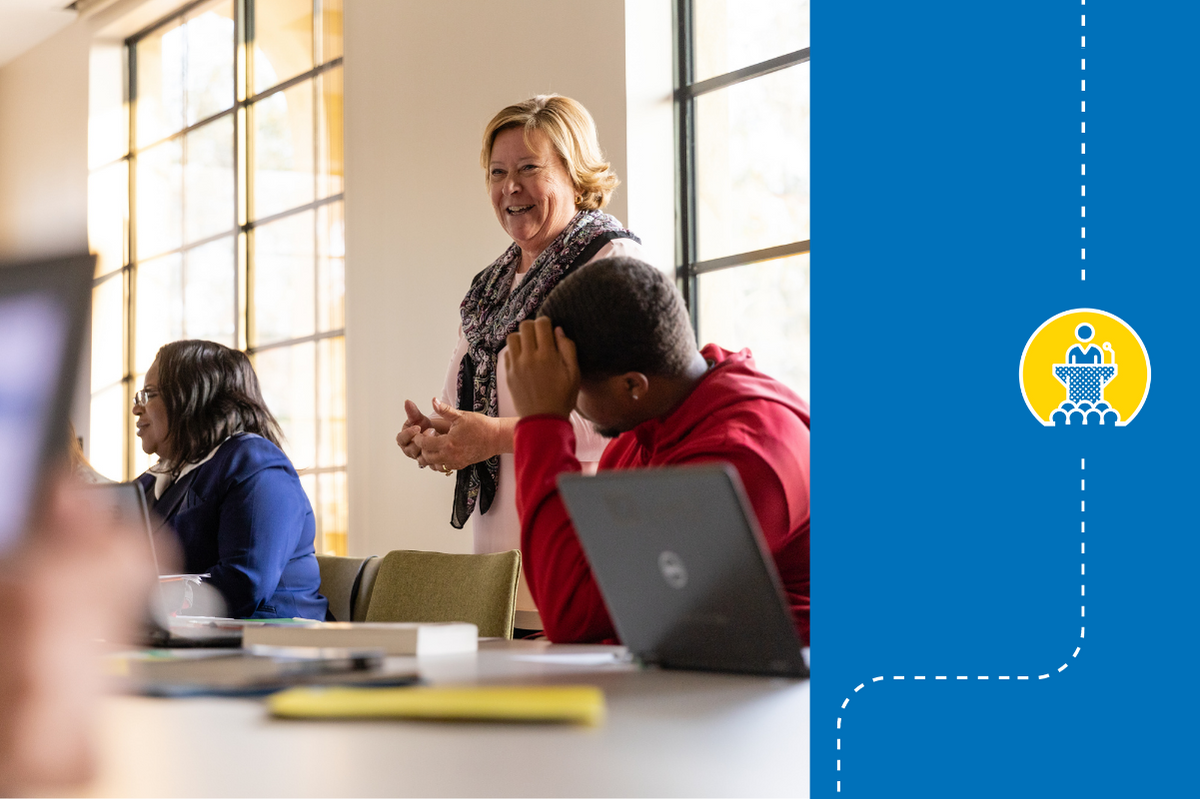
(684, 570)
(126, 502)
(43, 309)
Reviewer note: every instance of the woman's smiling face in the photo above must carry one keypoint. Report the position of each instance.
(531, 191)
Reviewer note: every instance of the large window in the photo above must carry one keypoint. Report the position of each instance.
(742, 106)
(223, 220)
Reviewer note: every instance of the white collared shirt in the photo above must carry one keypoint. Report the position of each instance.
(162, 471)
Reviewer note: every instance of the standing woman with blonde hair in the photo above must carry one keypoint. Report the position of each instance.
(548, 181)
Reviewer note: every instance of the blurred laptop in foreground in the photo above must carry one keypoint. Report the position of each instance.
(68, 576)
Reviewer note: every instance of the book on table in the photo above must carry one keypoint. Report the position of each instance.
(256, 670)
(394, 638)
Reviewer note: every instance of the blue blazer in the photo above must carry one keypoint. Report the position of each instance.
(245, 519)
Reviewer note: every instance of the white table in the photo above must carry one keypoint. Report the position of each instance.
(668, 733)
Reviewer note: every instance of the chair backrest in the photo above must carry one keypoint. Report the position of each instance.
(340, 581)
(436, 586)
(366, 584)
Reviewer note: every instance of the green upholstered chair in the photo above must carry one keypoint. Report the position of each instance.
(366, 584)
(436, 586)
(341, 579)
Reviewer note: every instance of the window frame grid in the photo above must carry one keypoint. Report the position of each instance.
(687, 90)
(243, 224)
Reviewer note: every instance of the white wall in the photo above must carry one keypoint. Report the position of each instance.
(421, 81)
(43, 161)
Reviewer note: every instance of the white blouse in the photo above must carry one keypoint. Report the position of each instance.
(499, 529)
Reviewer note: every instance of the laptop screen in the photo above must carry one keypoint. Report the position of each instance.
(43, 307)
(33, 329)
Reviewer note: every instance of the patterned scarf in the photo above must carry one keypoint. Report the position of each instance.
(491, 310)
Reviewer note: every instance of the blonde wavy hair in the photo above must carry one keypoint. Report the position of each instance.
(572, 131)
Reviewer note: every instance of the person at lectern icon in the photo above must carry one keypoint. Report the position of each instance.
(1085, 374)
(1087, 353)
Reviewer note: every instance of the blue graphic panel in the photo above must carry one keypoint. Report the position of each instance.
(953, 534)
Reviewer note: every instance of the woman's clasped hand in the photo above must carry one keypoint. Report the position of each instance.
(454, 439)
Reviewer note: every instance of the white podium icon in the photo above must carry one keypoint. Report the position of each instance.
(1085, 374)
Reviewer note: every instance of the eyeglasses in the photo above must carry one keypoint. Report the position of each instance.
(142, 396)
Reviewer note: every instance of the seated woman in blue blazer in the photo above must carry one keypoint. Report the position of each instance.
(223, 483)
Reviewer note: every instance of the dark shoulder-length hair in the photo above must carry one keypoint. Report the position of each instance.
(210, 392)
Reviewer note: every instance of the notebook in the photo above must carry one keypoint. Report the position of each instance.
(43, 308)
(681, 562)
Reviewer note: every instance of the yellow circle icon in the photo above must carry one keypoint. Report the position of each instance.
(1085, 367)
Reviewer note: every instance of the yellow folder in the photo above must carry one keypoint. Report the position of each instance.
(581, 704)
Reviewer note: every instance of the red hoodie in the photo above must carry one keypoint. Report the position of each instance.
(735, 414)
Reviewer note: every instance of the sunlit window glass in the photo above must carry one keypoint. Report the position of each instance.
(752, 164)
(732, 34)
(176, 260)
(742, 112)
(762, 306)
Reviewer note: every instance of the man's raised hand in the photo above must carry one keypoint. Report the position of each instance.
(543, 373)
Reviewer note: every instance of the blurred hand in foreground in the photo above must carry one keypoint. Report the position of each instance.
(78, 577)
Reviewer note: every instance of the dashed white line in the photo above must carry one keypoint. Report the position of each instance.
(1062, 668)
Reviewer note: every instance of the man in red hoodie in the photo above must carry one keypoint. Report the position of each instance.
(614, 341)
